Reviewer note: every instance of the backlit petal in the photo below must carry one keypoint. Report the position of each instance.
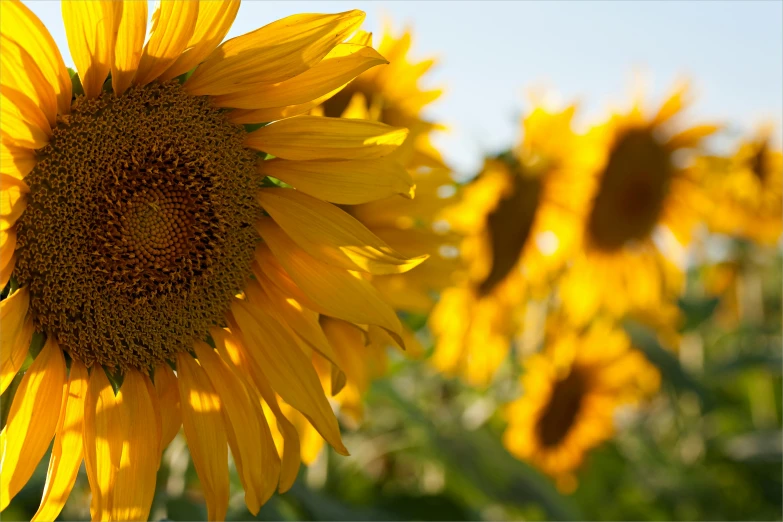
(32, 420)
(168, 399)
(13, 201)
(314, 137)
(332, 235)
(130, 24)
(273, 53)
(68, 447)
(16, 162)
(206, 433)
(175, 21)
(344, 63)
(303, 321)
(275, 349)
(343, 182)
(19, 24)
(102, 442)
(22, 122)
(14, 352)
(214, 21)
(134, 483)
(343, 294)
(230, 349)
(18, 71)
(242, 427)
(89, 27)
(276, 113)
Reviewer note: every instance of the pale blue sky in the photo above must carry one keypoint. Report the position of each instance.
(491, 52)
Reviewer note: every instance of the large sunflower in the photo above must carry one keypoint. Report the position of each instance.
(570, 394)
(746, 190)
(518, 219)
(643, 208)
(157, 277)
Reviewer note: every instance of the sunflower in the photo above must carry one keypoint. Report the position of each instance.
(159, 276)
(518, 221)
(747, 190)
(643, 208)
(571, 391)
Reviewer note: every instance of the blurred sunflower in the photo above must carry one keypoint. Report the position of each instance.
(571, 392)
(140, 234)
(643, 208)
(518, 221)
(747, 190)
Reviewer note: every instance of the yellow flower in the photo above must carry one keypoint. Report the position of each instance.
(571, 392)
(747, 190)
(140, 233)
(643, 209)
(518, 220)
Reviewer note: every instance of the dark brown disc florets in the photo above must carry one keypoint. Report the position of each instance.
(139, 225)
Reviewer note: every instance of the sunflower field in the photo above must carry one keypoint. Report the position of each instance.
(246, 276)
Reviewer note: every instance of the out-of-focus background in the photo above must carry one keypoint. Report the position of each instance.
(707, 443)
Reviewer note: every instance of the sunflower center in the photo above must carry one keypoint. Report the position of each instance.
(139, 226)
(563, 408)
(632, 193)
(758, 164)
(509, 227)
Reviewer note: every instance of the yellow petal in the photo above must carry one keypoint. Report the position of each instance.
(344, 63)
(349, 343)
(14, 352)
(16, 162)
(332, 235)
(214, 21)
(18, 71)
(7, 245)
(13, 311)
(22, 123)
(274, 271)
(68, 446)
(152, 392)
(168, 399)
(302, 320)
(32, 420)
(102, 442)
(242, 426)
(19, 24)
(130, 25)
(15, 334)
(174, 23)
(277, 113)
(134, 483)
(89, 27)
(12, 204)
(673, 105)
(691, 137)
(343, 182)
(229, 348)
(6, 271)
(205, 432)
(273, 53)
(276, 349)
(361, 37)
(341, 293)
(314, 137)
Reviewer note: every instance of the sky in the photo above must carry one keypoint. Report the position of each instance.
(491, 53)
